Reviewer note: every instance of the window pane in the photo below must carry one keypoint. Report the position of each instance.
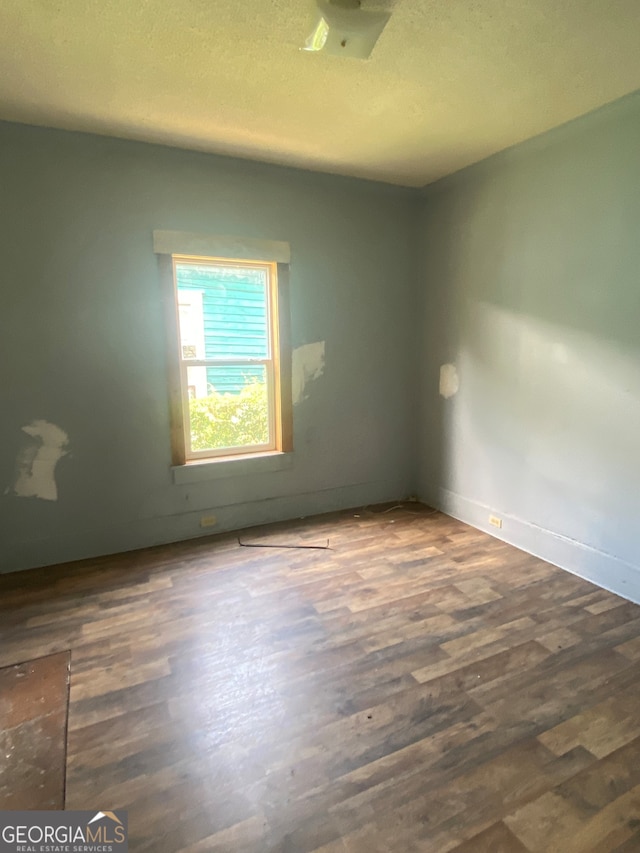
(228, 406)
(223, 311)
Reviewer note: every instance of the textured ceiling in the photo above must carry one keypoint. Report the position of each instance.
(449, 82)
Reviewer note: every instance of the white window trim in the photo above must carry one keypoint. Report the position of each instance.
(220, 246)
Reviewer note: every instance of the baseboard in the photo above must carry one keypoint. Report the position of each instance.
(605, 570)
(161, 530)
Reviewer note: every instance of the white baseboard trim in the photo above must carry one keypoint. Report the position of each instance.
(605, 570)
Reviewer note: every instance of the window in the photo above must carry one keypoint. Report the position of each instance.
(229, 364)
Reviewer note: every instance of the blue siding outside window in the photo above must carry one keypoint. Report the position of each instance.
(234, 317)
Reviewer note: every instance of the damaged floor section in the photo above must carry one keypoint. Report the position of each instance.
(34, 701)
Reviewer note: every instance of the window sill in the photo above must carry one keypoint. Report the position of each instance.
(198, 471)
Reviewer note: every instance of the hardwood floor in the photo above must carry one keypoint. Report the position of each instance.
(419, 686)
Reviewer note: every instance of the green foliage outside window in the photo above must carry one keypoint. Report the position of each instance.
(230, 420)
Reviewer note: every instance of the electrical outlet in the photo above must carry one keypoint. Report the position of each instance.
(208, 521)
(495, 521)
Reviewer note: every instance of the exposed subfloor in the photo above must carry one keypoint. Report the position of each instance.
(420, 686)
(34, 699)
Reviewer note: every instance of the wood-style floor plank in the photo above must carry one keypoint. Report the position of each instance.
(418, 686)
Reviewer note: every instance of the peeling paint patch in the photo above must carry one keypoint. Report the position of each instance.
(307, 365)
(36, 462)
(449, 382)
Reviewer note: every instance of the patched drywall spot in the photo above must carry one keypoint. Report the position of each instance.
(37, 460)
(449, 382)
(307, 365)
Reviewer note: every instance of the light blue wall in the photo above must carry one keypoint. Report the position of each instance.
(523, 271)
(531, 286)
(82, 340)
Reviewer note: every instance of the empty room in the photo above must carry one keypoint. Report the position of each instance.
(320, 426)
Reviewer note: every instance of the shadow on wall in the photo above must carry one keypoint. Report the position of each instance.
(530, 292)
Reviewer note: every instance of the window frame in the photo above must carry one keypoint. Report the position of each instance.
(278, 365)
